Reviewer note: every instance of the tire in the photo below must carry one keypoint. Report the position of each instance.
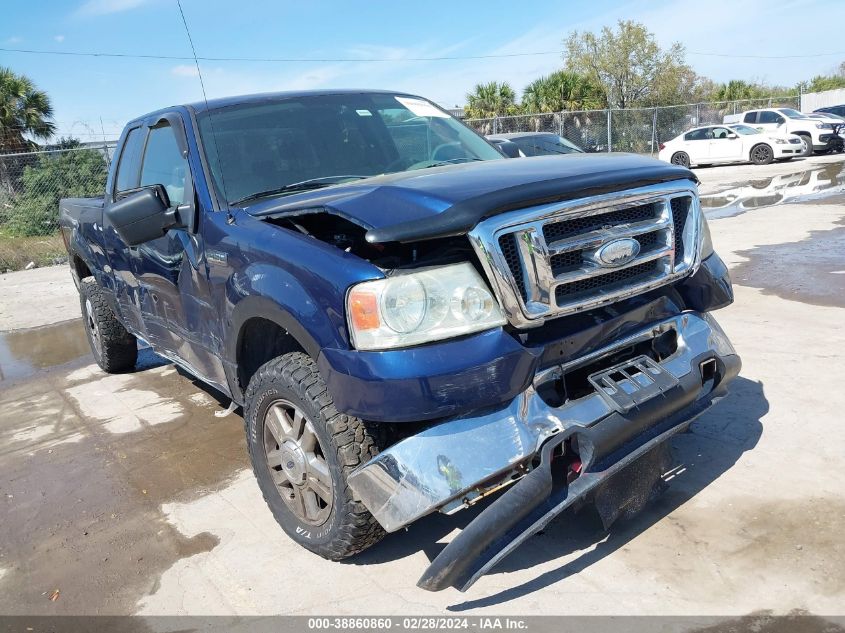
(288, 399)
(680, 158)
(808, 145)
(113, 347)
(762, 154)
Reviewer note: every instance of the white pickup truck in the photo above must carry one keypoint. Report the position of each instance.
(815, 132)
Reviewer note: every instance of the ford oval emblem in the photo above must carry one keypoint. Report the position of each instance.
(618, 252)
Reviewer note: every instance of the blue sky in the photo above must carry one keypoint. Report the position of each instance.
(84, 89)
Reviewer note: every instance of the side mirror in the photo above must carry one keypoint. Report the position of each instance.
(732, 135)
(508, 148)
(143, 216)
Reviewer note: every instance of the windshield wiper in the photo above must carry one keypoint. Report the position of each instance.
(451, 161)
(304, 185)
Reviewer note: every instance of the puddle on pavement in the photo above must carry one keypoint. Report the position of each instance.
(806, 185)
(810, 271)
(25, 352)
(82, 488)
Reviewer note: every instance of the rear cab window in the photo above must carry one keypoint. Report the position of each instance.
(750, 117)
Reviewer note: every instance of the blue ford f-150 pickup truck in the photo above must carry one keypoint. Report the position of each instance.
(410, 320)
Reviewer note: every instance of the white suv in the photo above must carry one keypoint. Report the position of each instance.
(814, 132)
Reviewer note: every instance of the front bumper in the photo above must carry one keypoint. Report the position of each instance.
(788, 150)
(451, 465)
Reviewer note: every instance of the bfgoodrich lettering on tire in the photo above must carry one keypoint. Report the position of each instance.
(113, 347)
(302, 451)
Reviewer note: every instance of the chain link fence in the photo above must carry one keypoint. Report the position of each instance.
(31, 184)
(638, 130)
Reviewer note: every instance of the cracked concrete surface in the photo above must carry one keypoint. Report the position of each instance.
(128, 495)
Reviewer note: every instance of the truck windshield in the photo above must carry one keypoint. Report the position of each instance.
(792, 114)
(273, 147)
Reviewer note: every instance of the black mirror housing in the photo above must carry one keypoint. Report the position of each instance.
(508, 148)
(143, 216)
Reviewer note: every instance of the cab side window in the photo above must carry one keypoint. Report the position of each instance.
(750, 117)
(770, 117)
(164, 164)
(130, 161)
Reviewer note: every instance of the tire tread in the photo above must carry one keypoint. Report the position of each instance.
(353, 440)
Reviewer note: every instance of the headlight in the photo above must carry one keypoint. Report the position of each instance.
(418, 307)
(781, 141)
(705, 241)
(824, 126)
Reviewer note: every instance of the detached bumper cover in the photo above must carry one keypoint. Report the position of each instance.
(448, 465)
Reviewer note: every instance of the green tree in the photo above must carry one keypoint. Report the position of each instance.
(825, 82)
(25, 111)
(71, 172)
(491, 99)
(738, 89)
(631, 67)
(562, 90)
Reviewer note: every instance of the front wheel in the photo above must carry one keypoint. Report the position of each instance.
(302, 452)
(113, 347)
(680, 158)
(762, 154)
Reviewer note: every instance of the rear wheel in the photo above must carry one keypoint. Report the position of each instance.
(762, 154)
(808, 145)
(302, 451)
(113, 347)
(680, 158)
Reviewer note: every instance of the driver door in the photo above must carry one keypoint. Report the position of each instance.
(170, 271)
(725, 144)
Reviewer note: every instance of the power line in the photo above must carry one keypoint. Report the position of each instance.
(276, 59)
(371, 59)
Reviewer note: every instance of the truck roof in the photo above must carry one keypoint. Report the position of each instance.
(222, 102)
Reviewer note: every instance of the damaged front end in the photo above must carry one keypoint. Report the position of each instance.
(556, 453)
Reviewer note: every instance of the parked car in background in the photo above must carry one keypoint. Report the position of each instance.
(537, 143)
(719, 144)
(838, 110)
(815, 132)
(828, 116)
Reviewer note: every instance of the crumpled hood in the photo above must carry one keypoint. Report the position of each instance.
(450, 200)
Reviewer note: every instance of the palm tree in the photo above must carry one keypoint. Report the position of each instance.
(562, 90)
(491, 99)
(25, 111)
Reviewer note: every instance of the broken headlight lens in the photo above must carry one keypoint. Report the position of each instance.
(420, 307)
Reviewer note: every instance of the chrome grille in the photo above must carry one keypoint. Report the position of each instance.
(544, 262)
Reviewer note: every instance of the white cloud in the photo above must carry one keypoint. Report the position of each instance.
(14, 40)
(104, 7)
(184, 70)
(59, 38)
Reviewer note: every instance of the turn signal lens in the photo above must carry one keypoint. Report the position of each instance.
(363, 310)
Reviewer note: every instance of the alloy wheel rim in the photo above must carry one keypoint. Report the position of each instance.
(297, 462)
(93, 328)
(761, 153)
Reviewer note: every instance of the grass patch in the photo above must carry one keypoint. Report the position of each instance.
(17, 252)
